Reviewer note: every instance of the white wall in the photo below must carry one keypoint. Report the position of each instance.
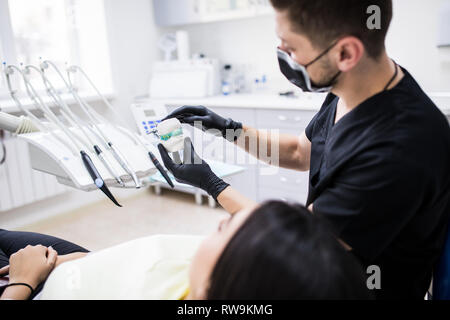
(249, 42)
(411, 42)
(132, 40)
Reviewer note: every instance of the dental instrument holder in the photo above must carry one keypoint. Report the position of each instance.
(52, 152)
(93, 119)
(74, 140)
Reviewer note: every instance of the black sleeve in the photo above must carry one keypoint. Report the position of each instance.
(370, 201)
(310, 128)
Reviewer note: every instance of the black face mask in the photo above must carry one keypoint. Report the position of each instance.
(298, 75)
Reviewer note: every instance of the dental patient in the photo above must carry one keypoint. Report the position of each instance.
(275, 251)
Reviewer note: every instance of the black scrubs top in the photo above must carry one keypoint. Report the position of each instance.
(381, 176)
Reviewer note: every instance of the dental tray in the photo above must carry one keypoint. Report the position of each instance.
(50, 155)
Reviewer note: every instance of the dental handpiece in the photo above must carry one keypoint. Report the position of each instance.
(117, 155)
(158, 165)
(95, 175)
(71, 117)
(89, 165)
(123, 162)
(135, 139)
(160, 169)
(98, 151)
(111, 147)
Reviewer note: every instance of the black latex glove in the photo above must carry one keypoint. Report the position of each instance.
(194, 170)
(209, 120)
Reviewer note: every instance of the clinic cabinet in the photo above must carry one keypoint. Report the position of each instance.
(176, 12)
(259, 181)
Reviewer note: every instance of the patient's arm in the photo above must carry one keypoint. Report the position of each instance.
(233, 201)
(28, 267)
(68, 257)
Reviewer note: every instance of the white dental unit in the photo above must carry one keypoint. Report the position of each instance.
(52, 156)
(83, 154)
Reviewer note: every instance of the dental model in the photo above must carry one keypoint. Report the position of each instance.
(171, 135)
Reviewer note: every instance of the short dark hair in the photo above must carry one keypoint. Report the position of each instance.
(282, 251)
(324, 21)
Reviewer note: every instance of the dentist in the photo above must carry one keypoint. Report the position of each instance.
(378, 151)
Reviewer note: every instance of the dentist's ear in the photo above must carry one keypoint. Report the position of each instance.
(349, 51)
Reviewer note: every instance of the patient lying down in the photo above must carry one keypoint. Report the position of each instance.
(276, 251)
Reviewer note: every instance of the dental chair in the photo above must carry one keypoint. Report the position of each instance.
(441, 280)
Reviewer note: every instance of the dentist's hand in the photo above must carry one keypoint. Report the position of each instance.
(229, 129)
(193, 171)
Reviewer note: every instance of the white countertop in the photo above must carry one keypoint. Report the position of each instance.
(257, 101)
(272, 101)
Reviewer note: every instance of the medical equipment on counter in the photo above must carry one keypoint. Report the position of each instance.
(137, 139)
(194, 78)
(183, 48)
(168, 44)
(147, 116)
(55, 148)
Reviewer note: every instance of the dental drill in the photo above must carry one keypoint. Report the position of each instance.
(75, 121)
(137, 140)
(51, 117)
(88, 111)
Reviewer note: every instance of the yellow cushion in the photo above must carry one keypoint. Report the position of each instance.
(154, 267)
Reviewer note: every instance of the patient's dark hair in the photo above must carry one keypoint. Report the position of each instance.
(282, 251)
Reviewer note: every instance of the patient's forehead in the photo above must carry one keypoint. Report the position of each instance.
(241, 216)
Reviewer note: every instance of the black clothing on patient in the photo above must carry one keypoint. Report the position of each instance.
(13, 241)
